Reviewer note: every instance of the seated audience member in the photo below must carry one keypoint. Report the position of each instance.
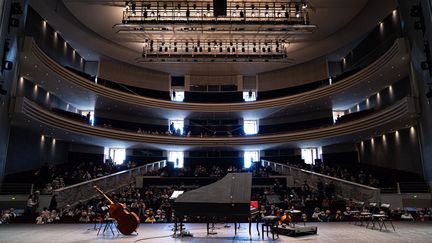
(339, 216)
(316, 214)
(407, 216)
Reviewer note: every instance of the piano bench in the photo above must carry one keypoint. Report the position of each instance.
(267, 227)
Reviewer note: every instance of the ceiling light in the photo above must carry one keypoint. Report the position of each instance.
(304, 6)
(266, 14)
(253, 14)
(297, 15)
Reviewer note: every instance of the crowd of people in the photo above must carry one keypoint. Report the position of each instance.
(153, 205)
(51, 177)
(360, 177)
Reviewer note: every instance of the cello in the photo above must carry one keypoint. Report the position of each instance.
(127, 222)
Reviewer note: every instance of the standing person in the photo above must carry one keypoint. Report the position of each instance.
(53, 203)
(172, 128)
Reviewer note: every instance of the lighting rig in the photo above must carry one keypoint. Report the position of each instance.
(215, 30)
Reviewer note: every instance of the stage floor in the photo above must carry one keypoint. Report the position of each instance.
(327, 232)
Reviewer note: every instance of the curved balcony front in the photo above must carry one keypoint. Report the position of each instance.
(400, 114)
(358, 82)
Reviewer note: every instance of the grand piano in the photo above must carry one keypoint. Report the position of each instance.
(227, 200)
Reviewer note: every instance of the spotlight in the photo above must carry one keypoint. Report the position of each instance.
(2, 91)
(304, 6)
(426, 65)
(297, 15)
(7, 65)
(266, 14)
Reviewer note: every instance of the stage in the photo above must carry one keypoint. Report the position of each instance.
(327, 232)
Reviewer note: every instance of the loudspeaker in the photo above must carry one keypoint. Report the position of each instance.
(416, 11)
(219, 8)
(16, 9)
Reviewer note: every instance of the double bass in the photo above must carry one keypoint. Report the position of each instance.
(127, 222)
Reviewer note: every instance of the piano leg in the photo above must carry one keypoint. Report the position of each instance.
(257, 226)
(208, 228)
(235, 228)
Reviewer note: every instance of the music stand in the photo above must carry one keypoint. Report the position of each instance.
(175, 194)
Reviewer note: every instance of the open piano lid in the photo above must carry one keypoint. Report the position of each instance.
(229, 196)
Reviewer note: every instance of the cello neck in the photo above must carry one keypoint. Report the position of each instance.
(103, 194)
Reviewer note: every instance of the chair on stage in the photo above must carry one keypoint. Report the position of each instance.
(366, 214)
(382, 217)
(109, 224)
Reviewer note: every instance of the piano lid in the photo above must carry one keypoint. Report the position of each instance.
(233, 188)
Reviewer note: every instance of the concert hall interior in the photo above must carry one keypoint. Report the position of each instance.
(215, 120)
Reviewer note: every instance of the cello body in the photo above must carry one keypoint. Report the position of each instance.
(127, 222)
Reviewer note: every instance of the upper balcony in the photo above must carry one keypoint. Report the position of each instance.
(85, 94)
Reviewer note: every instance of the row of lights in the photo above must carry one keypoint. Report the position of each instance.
(378, 99)
(205, 11)
(383, 136)
(214, 46)
(65, 44)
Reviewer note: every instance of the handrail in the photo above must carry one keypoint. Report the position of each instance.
(84, 190)
(345, 189)
(374, 68)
